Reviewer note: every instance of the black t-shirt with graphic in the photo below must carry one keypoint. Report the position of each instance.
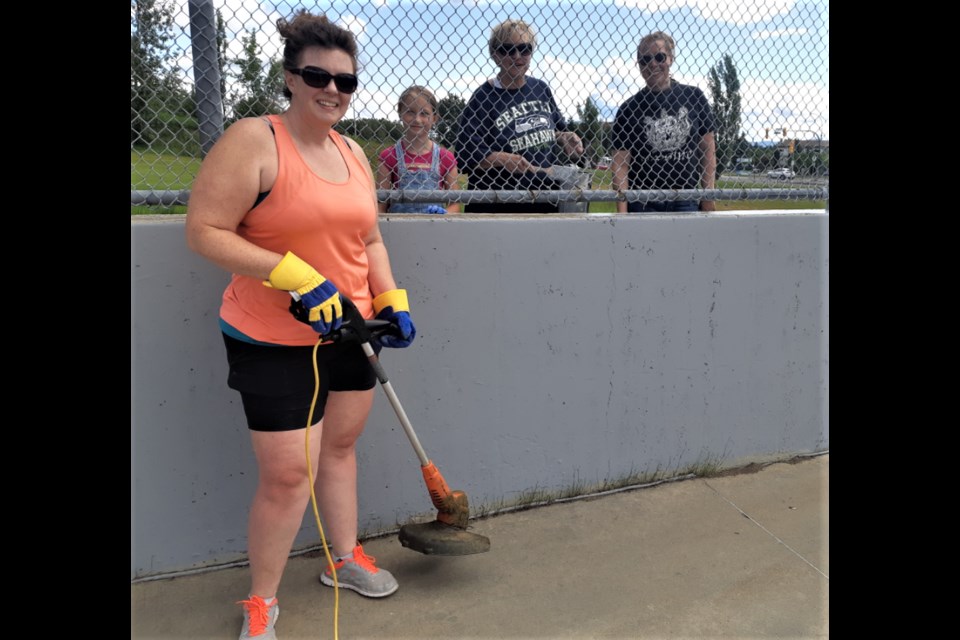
(662, 131)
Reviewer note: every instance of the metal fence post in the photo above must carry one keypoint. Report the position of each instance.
(206, 71)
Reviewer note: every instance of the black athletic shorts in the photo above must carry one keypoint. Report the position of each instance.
(276, 383)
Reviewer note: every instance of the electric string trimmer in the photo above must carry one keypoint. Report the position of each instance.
(447, 535)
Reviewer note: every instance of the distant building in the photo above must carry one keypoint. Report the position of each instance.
(805, 145)
(790, 146)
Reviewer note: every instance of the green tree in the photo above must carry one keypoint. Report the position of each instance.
(222, 60)
(260, 85)
(590, 130)
(724, 88)
(162, 114)
(151, 28)
(763, 158)
(448, 126)
(376, 130)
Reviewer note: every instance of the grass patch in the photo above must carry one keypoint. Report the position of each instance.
(148, 210)
(760, 205)
(151, 171)
(710, 466)
(169, 172)
(161, 171)
(603, 180)
(733, 205)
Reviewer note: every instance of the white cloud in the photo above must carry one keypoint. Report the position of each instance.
(609, 82)
(801, 107)
(730, 11)
(777, 33)
(373, 103)
(463, 86)
(355, 25)
(569, 96)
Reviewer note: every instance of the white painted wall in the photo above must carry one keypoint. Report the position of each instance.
(551, 352)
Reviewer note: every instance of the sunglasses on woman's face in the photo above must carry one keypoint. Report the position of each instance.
(319, 78)
(645, 60)
(509, 49)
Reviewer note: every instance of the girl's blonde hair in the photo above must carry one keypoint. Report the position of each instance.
(416, 91)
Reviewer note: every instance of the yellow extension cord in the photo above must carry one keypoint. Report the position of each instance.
(313, 498)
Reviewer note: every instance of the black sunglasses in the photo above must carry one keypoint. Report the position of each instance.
(510, 49)
(645, 60)
(319, 78)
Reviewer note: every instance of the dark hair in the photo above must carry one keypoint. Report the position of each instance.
(308, 30)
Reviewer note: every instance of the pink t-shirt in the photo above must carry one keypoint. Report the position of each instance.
(388, 157)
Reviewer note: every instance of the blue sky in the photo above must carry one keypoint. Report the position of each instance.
(585, 48)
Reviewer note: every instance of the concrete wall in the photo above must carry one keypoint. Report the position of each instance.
(552, 353)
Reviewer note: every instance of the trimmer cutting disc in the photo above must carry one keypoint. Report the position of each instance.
(439, 539)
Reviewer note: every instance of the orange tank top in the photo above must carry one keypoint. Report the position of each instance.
(322, 222)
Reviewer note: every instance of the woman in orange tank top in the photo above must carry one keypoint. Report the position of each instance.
(287, 205)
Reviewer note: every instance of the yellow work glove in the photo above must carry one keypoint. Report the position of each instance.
(319, 296)
(393, 306)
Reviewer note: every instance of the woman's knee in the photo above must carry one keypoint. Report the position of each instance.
(285, 485)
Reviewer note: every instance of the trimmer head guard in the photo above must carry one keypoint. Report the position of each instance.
(439, 539)
(447, 535)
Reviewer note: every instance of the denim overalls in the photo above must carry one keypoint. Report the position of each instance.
(414, 180)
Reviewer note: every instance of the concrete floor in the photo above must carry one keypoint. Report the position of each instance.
(741, 555)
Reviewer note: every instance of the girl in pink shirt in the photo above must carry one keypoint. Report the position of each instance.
(416, 162)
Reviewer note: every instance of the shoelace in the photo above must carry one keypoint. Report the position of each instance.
(258, 612)
(364, 560)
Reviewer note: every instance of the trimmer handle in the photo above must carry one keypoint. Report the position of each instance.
(354, 326)
(374, 328)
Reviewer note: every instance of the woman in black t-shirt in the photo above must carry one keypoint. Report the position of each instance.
(663, 136)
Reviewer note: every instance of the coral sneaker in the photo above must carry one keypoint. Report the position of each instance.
(362, 575)
(259, 618)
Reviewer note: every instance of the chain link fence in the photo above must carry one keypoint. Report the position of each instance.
(754, 72)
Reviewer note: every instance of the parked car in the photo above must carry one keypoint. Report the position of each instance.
(604, 162)
(783, 173)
